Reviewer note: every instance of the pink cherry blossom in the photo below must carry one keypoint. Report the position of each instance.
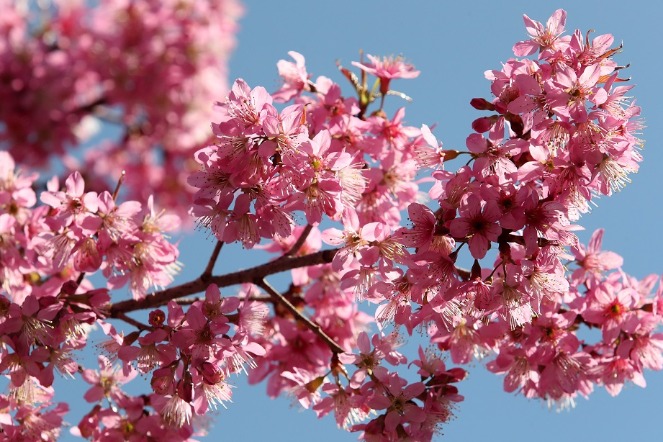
(295, 77)
(592, 260)
(387, 69)
(543, 38)
(106, 382)
(271, 172)
(478, 222)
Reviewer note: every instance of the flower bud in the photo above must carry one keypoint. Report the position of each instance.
(210, 373)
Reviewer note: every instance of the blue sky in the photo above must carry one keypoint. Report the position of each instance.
(453, 43)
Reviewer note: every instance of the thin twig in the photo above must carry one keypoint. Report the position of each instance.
(257, 298)
(92, 106)
(314, 327)
(139, 325)
(212, 260)
(300, 241)
(463, 273)
(80, 279)
(188, 301)
(240, 277)
(119, 183)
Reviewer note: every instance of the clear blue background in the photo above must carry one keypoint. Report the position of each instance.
(453, 43)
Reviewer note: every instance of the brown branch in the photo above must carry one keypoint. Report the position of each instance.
(119, 184)
(212, 260)
(300, 241)
(313, 326)
(139, 325)
(80, 279)
(240, 277)
(87, 108)
(189, 301)
(259, 299)
(463, 273)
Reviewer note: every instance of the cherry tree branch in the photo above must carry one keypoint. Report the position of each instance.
(189, 301)
(240, 277)
(282, 264)
(212, 260)
(299, 316)
(300, 241)
(139, 325)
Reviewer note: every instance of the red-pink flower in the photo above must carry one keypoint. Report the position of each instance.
(295, 77)
(398, 403)
(420, 235)
(387, 69)
(106, 381)
(174, 410)
(592, 260)
(74, 203)
(477, 222)
(613, 308)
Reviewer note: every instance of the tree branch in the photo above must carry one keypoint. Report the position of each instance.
(139, 325)
(299, 316)
(240, 277)
(212, 260)
(189, 301)
(300, 241)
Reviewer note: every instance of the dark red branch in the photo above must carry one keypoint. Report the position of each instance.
(240, 277)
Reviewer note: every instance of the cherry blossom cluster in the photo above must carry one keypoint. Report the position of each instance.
(489, 266)
(77, 232)
(548, 149)
(47, 306)
(562, 131)
(33, 422)
(144, 68)
(189, 356)
(321, 156)
(547, 358)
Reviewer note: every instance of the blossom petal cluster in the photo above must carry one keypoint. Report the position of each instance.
(48, 306)
(488, 267)
(144, 70)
